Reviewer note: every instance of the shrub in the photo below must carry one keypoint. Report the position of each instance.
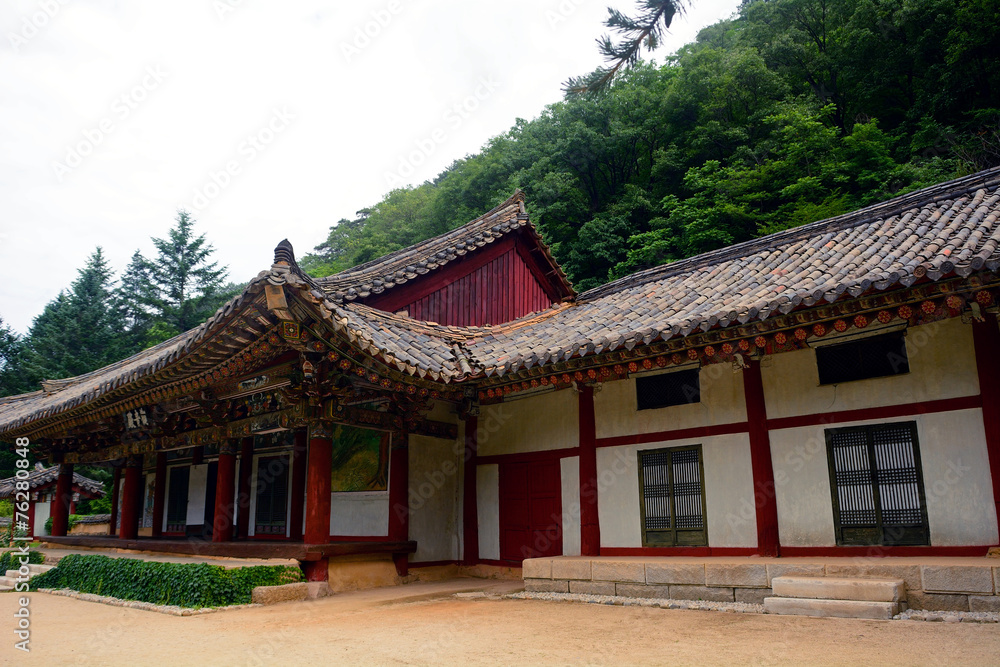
(9, 559)
(73, 518)
(181, 584)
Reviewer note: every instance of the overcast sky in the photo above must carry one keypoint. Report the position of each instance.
(267, 120)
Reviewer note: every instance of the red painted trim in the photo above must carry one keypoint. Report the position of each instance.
(879, 552)
(174, 534)
(678, 551)
(399, 490)
(64, 496)
(131, 503)
(418, 288)
(883, 412)
(590, 525)
(360, 538)
(31, 519)
(528, 457)
(765, 495)
(537, 269)
(225, 489)
(677, 434)
(470, 507)
(318, 481)
(986, 337)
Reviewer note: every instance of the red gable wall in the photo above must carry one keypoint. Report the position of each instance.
(497, 284)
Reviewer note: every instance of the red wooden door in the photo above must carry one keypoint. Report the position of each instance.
(530, 510)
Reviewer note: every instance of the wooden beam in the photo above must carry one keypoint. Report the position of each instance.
(470, 509)
(986, 337)
(590, 525)
(765, 500)
(61, 503)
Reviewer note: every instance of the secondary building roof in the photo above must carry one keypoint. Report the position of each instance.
(44, 477)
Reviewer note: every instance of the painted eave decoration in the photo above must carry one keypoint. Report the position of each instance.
(930, 254)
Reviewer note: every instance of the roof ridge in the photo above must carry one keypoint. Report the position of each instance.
(942, 191)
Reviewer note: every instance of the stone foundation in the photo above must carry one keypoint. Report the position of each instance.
(939, 584)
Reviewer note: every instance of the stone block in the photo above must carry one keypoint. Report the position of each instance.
(536, 568)
(910, 574)
(692, 574)
(575, 568)
(831, 608)
(643, 591)
(546, 586)
(837, 588)
(792, 569)
(318, 589)
(936, 602)
(712, 594)
(984, 603)
(276, 594)
(742, 575)
(957, 579)
(996, 580)
(619, 570)
(592, 587)
(752, 595)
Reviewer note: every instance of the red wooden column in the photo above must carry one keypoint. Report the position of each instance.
(159, 493)
(246, 467)
(318, 486)
(131, 500)
(32, 528)
(64, 496)
(115, 482)
(765, 500)
(470, 510)
(590, 525)
(399, 492)
(225, 489)
(298, 484)
(986, 336)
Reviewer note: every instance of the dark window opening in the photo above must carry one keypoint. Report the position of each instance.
(271, 511)
(661, 391)
(177, 499)
(672, 497)
(877, 485)
(879, 356)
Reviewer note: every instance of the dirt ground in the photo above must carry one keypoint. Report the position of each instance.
(426, 624)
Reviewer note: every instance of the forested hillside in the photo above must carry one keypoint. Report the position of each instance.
(794, 111)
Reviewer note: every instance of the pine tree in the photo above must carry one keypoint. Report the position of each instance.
(135, 299)
(646, 28)
(186, 287)
(11, 380)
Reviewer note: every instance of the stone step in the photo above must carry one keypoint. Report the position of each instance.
(837, 588)
(831, 608)
(8, 582)
(11, 574)
(38, 568)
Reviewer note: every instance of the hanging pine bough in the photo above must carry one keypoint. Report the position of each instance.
(644, 29)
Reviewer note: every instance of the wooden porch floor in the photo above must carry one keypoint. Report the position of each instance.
(237, 549)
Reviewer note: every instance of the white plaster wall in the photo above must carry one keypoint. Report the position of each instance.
(570, 470)
(360, 514)
(435, 523)
(942, 365)
(722, 402)
(488, 510)
(537, 423)
(728, 482)
(197, 486)
(43, 510)
(957, 485)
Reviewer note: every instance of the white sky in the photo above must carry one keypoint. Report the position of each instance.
(159, 96)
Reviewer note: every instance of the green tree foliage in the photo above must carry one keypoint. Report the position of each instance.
(791, 112)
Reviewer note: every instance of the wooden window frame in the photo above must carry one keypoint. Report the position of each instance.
(641, 380)
(173, 524)
(912, 535)
(823, 352)
(674, 536)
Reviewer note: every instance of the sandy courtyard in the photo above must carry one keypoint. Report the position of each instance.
(428, 625)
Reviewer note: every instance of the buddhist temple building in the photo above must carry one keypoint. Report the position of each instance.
(41, 486)
(829, 390)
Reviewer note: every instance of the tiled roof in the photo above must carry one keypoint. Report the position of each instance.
(39, 478)
(397, 268)
(952, 229)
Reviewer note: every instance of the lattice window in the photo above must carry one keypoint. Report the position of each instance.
(271, 510)
(672, 497)
(177, 499)
(878, 356)
(666, 389)
(877, 484)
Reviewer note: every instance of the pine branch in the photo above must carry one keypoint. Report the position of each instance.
(645, 29)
